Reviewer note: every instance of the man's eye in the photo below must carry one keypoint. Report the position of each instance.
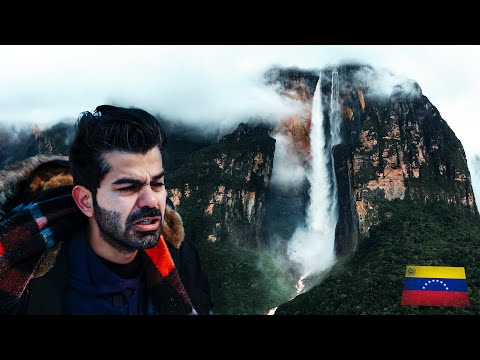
(128, 188)
(160, 184)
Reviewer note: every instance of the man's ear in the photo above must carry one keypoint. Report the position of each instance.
(84, 200)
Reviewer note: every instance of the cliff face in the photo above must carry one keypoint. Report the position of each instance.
(220, 190)
(395, 145)
(404, 149)
(287, 203)
(299, 86)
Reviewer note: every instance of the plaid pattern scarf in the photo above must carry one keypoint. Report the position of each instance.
(30, 230)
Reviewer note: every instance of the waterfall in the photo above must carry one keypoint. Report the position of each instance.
(335, 139)
(313, 247)
(335, 109)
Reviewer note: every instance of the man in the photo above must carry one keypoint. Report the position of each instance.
(106, 243)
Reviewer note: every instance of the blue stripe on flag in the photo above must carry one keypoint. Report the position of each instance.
(435, 284)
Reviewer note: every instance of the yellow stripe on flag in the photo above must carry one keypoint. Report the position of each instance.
(446, 272)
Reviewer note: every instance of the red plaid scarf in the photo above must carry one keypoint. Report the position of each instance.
(30, 230)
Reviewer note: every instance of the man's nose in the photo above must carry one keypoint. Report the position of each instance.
(147, 198)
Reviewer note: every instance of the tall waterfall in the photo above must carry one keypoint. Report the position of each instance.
(313, 247)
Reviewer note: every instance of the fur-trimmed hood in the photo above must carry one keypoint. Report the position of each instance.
(43, 172)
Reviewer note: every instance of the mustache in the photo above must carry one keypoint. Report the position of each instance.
(143, 213)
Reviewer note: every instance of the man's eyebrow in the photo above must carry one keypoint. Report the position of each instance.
(159, 176)
(127, 180)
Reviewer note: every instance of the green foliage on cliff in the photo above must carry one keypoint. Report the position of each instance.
(243, 281)
(228, 165)
(370, 281)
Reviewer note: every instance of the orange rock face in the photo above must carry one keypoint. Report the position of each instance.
(362, 100)
(297, 127)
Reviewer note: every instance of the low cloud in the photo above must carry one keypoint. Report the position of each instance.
(383, 82)
(204, 87)
(474, 167)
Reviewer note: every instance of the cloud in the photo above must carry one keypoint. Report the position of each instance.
(474, 166)
(196, 85)
(213, 83)
(383, 82)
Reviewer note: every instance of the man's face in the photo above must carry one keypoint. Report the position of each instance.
(130, 202)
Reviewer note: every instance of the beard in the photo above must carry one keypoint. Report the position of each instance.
(121, 236)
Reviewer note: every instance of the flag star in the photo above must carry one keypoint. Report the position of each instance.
(423, 287)
(441, 282)
(444, 284)
(429, 281)
(437, 280)
(447, 288)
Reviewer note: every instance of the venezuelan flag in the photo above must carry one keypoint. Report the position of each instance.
(435, 286)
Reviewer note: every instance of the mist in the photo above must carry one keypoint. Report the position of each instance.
(474, 166)
(382, 82)
(192, 85)
(288, 170)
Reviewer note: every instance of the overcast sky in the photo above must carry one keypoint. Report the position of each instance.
(44, 84)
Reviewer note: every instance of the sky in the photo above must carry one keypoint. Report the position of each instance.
(219, 84)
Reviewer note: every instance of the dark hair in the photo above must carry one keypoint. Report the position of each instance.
(108, 129)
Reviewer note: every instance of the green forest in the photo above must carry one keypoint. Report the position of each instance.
(246, 281)
(370, 280)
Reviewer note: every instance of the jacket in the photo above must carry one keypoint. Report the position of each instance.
(34, 179)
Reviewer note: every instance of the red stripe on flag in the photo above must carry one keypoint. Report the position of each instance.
(435, 298)
(2, 250)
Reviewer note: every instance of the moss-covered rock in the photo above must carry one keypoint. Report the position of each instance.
(220, 189)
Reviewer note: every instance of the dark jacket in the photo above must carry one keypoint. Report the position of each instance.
(44, 295)
(45, 292)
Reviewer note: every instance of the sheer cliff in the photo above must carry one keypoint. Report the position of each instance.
(394, 145)
(220, 190)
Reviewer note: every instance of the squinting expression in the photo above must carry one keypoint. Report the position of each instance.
(130, 202)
